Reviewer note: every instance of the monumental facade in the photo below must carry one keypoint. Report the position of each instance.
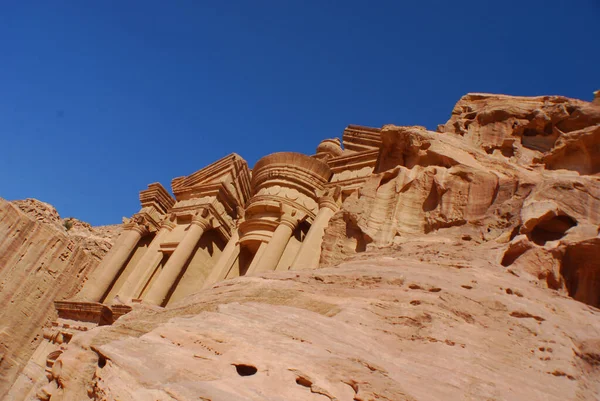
(226, 220)
(222, 222)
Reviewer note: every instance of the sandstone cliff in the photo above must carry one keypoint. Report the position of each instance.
(40, 261)
(466, 267)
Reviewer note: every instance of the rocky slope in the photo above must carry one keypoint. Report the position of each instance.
(467, 267)
(40, 261)
(430, 319)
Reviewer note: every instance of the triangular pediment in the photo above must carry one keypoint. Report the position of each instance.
(229, 177)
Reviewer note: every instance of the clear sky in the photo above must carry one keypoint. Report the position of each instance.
(100, 98)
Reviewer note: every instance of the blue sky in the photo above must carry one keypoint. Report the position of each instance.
(100, 98)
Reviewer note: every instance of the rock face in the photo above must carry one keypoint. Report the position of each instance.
(462, 264)
(486, 176)
(558, 132)
(430, 319)
(39, 262)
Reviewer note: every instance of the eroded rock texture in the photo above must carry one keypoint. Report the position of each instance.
(559, 132)
(493, 173)
(427, 320)
(39, 262)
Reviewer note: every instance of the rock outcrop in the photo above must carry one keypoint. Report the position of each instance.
(40, 262)
(462, 264)
(429, 319)
(96, 240)
(480, 178)
(555, 131)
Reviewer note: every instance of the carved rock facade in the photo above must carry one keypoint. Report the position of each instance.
(515, 178)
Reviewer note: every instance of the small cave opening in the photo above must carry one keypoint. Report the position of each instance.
(511, 255)
(552, 229)
(514, 232)
(530, 132)
(303, 381)
(354, 232)
(433, 199)
(580, 269)
(101, 361)
(507, 151)
(245, 370)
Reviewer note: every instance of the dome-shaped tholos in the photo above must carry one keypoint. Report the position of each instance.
(288, 167)
(329, 148)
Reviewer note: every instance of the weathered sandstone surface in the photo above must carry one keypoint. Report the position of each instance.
(462, 264)
(40, 261)
(484, 182)
(431, 319)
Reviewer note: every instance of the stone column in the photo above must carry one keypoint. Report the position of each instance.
(146, 265)
(310, 251)
(256, 259)
(223, 265)
(99, 283)
(167, 277)
(272, 253)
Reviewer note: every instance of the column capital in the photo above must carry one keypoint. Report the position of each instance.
(137, 223)
(289, 220)
(328, 202)
(289, 216)
(202, 219)
(168, 222)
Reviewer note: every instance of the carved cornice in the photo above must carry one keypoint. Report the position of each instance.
(353, 161)
(357, 138)
(93, 312)
(157, 197)
(348, 185)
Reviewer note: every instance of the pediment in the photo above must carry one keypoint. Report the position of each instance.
(227, 179)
